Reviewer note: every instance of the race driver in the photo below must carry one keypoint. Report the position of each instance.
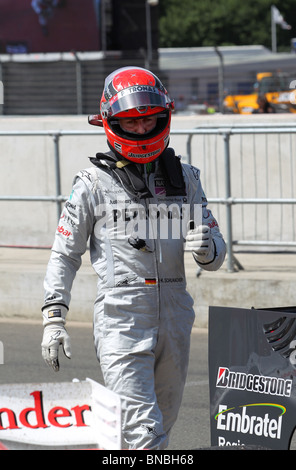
(136, 205)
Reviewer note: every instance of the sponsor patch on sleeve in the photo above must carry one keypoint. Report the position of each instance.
(56, 312)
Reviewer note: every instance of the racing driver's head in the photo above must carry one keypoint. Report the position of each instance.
(135, 111)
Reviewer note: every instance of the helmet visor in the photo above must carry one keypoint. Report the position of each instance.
(137, 97)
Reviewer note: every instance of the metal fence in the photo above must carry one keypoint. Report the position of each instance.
(237, 168)
(264, 177)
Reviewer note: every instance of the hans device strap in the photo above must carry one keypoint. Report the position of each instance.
(131, 179)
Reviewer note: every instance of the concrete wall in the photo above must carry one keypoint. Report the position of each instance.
(258, 170)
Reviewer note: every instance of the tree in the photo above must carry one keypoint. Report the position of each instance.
(196, 23)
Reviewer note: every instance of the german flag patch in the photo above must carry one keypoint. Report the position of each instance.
(150, 282)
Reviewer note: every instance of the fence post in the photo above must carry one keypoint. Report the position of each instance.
(1, 353)
(1, 90)
(230, 267)
(78, 67)
(56, 140)
(188, 147)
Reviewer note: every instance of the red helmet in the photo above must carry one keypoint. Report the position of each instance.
(133, 92)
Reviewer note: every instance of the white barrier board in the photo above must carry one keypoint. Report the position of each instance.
(60, 414)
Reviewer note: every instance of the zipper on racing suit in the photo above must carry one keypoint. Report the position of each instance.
(157, 255)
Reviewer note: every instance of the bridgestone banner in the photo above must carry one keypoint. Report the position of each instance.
(252, 367)
(60, 414)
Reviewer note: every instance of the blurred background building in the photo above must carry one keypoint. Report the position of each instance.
(55, 54)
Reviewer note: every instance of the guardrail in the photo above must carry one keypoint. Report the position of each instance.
(227, 200)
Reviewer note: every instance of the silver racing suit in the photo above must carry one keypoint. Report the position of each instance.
(143, 314)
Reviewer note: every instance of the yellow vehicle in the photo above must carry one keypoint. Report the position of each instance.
(278, 89)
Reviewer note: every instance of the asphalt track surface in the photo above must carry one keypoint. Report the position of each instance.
(23, 363)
